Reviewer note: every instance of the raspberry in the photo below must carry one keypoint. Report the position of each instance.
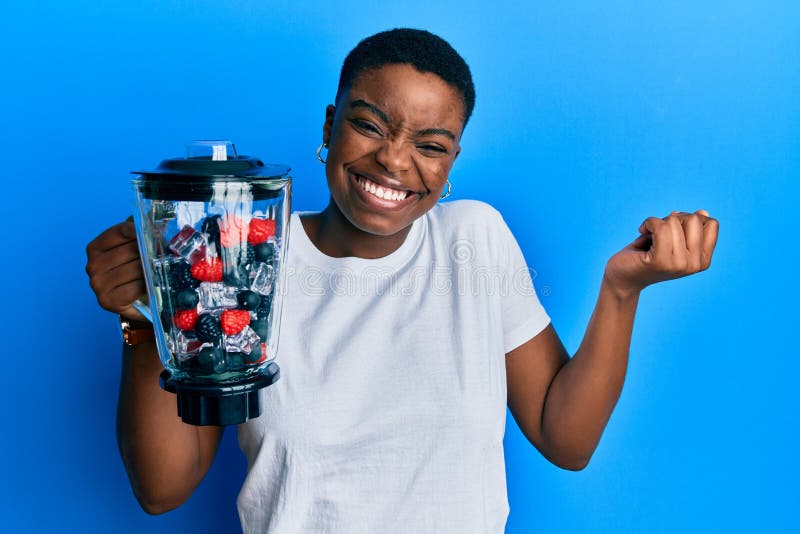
(208, 270)
(260, 230)
(180, 277)
(234, 321)
(207, 328)
(232, 231)
(185, 319)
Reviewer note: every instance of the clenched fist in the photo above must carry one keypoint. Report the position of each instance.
(677, 245)
(115, 270)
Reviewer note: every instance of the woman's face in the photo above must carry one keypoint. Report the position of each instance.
(392, 140)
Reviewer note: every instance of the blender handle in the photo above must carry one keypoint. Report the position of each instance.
(144, 309)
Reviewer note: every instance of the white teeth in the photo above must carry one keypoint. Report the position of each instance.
(385, 193)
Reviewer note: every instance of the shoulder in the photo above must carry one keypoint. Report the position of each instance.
(469, 225)
(462, 213)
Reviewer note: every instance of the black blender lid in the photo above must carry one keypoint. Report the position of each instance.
(214, 160)
(207, 163)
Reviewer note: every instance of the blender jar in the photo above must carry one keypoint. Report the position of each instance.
(212, 230)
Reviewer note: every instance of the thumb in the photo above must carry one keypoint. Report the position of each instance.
(128, 229)
(643, 242)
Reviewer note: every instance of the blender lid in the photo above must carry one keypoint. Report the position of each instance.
(207, 164)
(210, 161)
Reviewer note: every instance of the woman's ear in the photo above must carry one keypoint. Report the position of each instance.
(327, 128)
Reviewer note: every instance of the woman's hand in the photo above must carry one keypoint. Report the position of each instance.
(677, 245)
(115, 270)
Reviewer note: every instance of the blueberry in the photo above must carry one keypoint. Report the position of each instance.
(186, 299)
(265, 251)
(248, 300)
(254, 355)
(261, 327)
(235, 361)
(211, 360)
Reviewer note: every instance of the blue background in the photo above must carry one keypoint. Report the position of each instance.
(590, 117)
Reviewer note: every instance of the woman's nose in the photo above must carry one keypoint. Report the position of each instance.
(393, 156)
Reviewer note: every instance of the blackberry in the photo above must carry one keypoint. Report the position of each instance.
(207, 328)
(180, 277)
(248, 300)
(264, 251)
(186, 299)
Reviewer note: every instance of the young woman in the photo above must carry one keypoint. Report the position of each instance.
(408, 327)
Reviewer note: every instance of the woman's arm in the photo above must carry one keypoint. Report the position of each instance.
(165, 458)
(562, 405)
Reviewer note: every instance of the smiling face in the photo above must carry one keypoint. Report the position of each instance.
(392, 140)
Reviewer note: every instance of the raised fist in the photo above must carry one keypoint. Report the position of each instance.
(677, 245)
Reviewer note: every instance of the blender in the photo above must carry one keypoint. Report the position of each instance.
(212, 229)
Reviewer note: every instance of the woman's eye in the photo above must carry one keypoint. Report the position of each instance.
(366, 126)
(433, 148)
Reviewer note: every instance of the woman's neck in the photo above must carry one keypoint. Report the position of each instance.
(334, 235)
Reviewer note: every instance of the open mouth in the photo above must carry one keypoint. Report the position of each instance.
(382, 192)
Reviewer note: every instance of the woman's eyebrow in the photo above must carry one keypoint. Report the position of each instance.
(437, 131)
(358, 103)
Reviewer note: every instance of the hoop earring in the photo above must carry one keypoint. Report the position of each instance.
(449, 190)
(319, 153)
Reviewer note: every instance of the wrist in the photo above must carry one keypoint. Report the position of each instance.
(621, 292)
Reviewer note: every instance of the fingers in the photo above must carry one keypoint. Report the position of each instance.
(113, 237)
(114, 267)
(682, 243)
(700, 231)
(693, 235)
(709, 241)
(660, 234)
(679, 259)
(118, 287)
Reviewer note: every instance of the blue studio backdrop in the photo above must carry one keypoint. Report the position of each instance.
(590, 117)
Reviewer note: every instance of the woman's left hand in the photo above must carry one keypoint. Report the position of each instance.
(675, 246)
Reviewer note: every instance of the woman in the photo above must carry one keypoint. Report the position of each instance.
(408, 327)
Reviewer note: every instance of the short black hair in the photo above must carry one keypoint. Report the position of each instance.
(423, 50)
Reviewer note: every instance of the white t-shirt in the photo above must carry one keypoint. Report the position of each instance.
(390, 411)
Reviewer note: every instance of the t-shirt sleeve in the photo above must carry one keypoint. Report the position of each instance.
(522, 314)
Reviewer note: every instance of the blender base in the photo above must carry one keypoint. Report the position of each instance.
(204, 404)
